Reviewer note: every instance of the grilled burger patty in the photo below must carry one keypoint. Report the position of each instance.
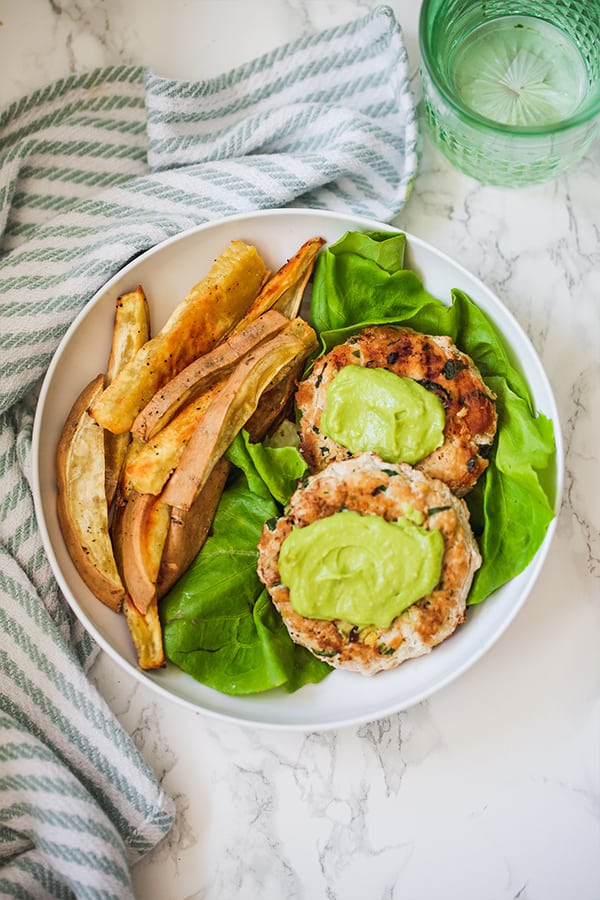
(436, 364)
(368, 485)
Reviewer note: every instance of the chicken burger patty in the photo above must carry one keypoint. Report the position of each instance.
(367, 492)
(432, 362)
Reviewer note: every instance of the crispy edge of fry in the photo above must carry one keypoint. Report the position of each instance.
(131, 330)
(189, 529)
(232, 407)
(208, 312)
(202, 372)
(146, 634)
(284, 290)
(109, 590)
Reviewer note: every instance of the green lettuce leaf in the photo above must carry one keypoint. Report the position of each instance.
(356, 282)
(513, 504)
(219, 624)
(273, 471)
(512, 507)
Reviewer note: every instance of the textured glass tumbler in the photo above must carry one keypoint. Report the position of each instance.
(511, 90)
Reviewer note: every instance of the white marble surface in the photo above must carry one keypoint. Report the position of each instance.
(490, 790)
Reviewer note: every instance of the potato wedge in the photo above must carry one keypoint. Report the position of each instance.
(146, 633)
(157, 544)
(149, 468)
(144, 527)
(131, 330)
(189, 529)
(232, 407)
(284, 290)
(197, 324)
(202, 373)
(81, 499)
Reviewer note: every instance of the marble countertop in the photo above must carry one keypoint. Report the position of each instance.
(490, 789)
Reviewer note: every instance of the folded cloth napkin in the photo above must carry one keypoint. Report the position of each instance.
(95, 169)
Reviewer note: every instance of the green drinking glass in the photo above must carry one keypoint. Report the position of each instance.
(511, 90)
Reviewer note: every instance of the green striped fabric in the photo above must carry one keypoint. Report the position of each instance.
(95, 169)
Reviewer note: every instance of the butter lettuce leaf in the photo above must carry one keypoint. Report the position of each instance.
(354, 284)
(511, 508)
(273, 471)
(513, 503)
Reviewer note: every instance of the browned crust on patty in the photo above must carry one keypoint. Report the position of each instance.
(368, 485)
(434, 362)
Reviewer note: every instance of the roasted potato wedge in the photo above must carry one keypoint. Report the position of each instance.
(81, 500)
(131, 330)
(189, 529)
(144, 527)
(209, 312)
(232, 407)
(202, 373)
(158, 544)
(146, 633)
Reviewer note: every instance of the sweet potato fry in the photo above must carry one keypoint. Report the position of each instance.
(146, 633)
(158, 544)
(81, 501)
(197, 324)
(131, 330)
(189, 529)
(202, 373)
(276, 400)
(232, 407)
(144, 527)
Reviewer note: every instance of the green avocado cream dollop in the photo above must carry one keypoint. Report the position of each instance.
(374, 409)
(361, 569)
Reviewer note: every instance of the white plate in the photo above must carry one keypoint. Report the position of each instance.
(167, 272)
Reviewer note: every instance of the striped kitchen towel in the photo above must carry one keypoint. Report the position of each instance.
(95, 169)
